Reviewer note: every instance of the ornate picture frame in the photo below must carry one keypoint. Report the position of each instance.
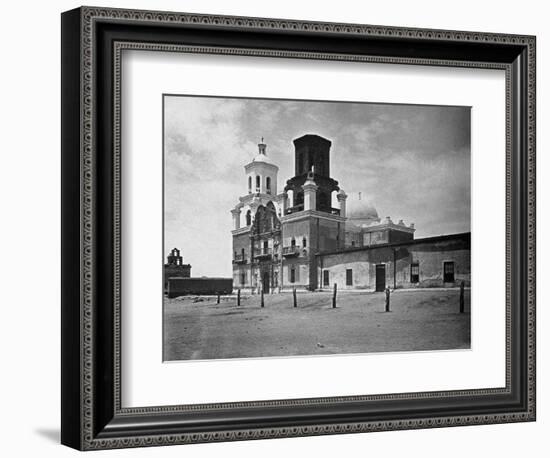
(93, 416)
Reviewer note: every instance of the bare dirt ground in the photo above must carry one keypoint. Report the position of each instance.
(195, 327)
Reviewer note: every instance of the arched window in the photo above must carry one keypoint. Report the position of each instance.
(290, 198)
(324, 204)
(268, 185)
(249, 185)
(248, 218)
(258, 183)
(304, 242)
(272, 215)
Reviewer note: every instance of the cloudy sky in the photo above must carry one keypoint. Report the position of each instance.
(412, 162)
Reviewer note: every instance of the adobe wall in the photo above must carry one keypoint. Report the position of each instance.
(199, 286)
(430, 256)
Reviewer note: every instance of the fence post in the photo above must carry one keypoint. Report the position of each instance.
(334, 296)
(294, 297)
(262, 297)
(238, 297)
(462, 296)
(387, 299)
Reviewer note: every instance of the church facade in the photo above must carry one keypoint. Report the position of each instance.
(296, 239)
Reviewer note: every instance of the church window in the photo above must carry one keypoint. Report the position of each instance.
(349, 277)
(266, 247)
(449, 272)
(293, 242)
(258, 183)
(292, 275)
(248, 218)
(242, 254)
(304, 242)
(325, 278)
(415, 272)
(268, 185)
(249, 185)
(243, 278)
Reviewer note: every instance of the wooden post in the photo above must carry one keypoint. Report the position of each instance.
(334, 296)
(238, 297)
(262, 298)
(462, 296)
(294, 297)
(218, 300)
(387, 299)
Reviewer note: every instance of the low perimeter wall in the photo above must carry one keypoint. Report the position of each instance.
(182, 286)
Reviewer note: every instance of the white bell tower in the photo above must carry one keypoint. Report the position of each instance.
(261, 182)
(261, 173)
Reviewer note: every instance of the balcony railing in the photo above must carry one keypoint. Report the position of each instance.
(295, 209)
(264, 253)
(239, 259)
(299, 208)
(289, 251)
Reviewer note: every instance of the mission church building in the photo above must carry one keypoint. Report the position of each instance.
(296, 239)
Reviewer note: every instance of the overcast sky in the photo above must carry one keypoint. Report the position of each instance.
(412, 162)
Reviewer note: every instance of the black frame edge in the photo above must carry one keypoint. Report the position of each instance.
(70, 229)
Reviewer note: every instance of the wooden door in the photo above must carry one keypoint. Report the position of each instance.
(380, 277)
(265, 282)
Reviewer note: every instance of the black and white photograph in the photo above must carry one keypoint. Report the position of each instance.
(306, 227)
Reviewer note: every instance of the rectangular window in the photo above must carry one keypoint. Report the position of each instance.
(292, 275)
(415, 272)
(325, 278)
(243, 278)
(449, 272)
(349, 277)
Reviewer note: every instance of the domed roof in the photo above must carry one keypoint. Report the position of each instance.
(262, 156)
(360, 210)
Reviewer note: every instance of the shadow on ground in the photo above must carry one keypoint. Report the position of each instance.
(53, 435)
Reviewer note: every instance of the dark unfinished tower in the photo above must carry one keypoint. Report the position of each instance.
(312, 156)
(310, 225)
